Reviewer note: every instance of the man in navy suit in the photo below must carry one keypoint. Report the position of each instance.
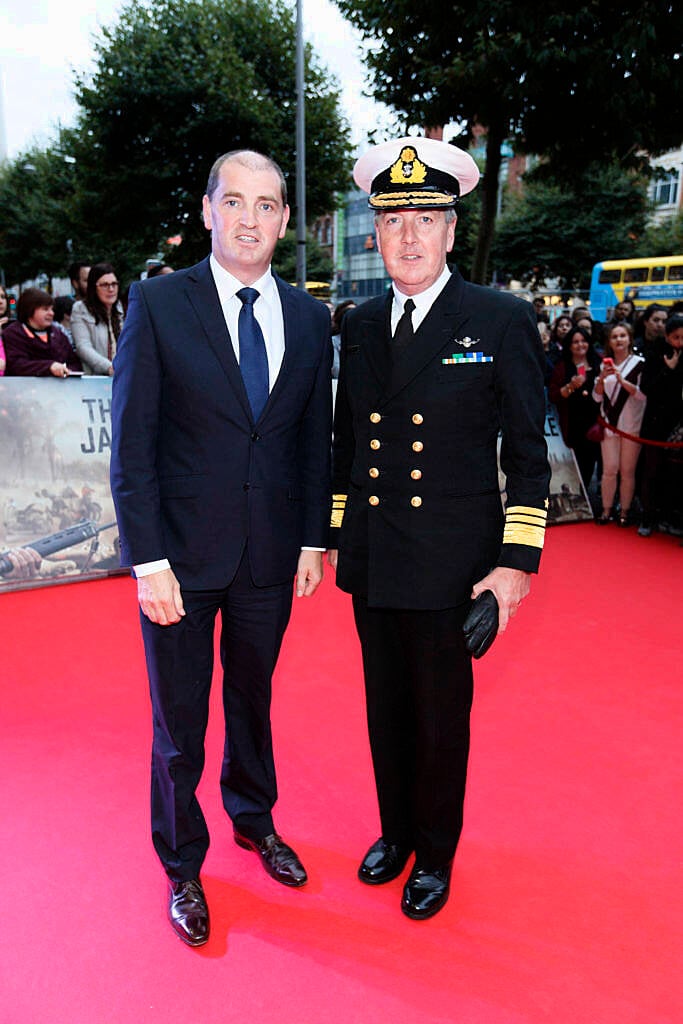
(430, 374)
(221, 415)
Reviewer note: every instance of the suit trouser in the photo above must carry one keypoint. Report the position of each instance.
(418, 683)
(180, 667)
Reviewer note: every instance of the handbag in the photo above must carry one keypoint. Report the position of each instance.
(596, 433)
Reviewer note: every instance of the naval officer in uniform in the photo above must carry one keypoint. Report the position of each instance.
(430, 376)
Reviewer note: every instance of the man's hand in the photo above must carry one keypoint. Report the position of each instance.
(309, 573)
(26, 564)
(332, 556)
(159, 597)
(510, 586)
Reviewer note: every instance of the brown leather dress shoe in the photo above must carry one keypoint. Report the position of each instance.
(279, 860)
(426, 892)
(382, 863)
(188, 912)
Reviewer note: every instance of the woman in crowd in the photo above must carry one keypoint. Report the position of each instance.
(34, 346)
(96, 323)
(558, 332)
(4, 308)
(622, 405)
(662, 383)
(571, 389)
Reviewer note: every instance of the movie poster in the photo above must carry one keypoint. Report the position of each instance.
(55, 443)
(568, 501)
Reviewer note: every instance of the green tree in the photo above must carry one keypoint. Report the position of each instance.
(572, 83)
(563, 229)
(663, 238)
(177, 83)
(319, 266)
(36, 213)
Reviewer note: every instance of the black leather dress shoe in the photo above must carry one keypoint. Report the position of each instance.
(426, 892)
(279, 860)
(188, 912)
(382, 863)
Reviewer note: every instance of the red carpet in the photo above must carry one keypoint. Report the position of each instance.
(565, 905)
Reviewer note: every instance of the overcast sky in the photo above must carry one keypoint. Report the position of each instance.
(43, 41)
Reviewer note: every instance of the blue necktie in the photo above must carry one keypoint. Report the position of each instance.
(253, 358)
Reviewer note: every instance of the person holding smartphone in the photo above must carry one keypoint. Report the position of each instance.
(622, 405)
(571, 389)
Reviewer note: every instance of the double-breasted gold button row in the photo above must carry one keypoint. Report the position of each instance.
(415, 474)
(417, 418)
(415, 501)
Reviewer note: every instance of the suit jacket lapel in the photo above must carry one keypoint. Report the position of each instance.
(289, 357)
(375, 335)
(202, 293)
(440, 326)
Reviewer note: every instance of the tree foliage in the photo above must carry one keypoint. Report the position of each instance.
(36, 213)
(563, 229)
(175, 84)
(663, 238)
(319, 266)
(572, 83)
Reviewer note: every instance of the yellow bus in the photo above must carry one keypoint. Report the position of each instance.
(645, 280)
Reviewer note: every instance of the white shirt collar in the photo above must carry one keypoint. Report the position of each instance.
(426, 299)
(228, 285)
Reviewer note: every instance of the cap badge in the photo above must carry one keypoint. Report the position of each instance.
(408, 169)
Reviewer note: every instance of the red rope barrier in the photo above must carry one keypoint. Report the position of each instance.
(640, 440)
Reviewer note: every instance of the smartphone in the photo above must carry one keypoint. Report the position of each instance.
(581, 370)
(608, 363)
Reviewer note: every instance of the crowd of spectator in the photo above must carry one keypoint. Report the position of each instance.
(614, 384)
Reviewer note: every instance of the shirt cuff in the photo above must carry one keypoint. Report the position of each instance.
(147, 568)
(314, 549)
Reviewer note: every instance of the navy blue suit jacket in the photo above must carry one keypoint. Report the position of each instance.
(193, 477)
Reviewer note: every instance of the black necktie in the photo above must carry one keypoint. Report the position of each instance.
(403, 335)
(253, 358)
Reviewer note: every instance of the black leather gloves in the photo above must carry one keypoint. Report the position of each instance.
(481, 625)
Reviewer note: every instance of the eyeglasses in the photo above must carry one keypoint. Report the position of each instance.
(107, 284)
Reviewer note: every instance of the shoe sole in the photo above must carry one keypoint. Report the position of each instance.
(245, 844)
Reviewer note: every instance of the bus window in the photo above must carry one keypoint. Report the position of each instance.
(658, 273)
(676, 273)
(635, 275)
(609, 277)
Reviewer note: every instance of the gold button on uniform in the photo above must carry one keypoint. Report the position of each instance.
(416, 474)
(373, 499)
(375, 417)
(374, 472)
(416, 501)
(417, 446)
(418, 418)
(374, 444)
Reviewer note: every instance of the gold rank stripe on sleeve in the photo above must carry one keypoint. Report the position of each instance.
(338, 506)
(525, 525)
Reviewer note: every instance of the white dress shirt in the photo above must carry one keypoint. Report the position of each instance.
(423, 302)
(267, 310)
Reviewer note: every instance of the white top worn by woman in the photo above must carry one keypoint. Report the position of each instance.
(631, 416)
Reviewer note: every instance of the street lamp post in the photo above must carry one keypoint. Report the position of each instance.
(300, 152)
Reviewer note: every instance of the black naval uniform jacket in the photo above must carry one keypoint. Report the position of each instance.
(417, 514)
